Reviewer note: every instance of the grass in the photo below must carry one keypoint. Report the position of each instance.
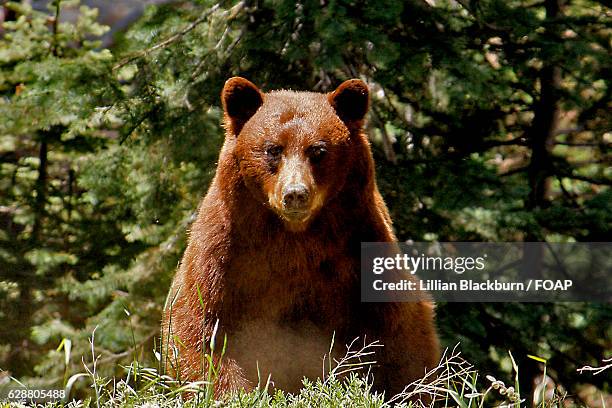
(347, 383)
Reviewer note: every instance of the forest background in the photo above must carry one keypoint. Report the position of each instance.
(490, 121)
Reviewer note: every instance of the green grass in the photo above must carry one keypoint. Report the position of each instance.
(453, 383)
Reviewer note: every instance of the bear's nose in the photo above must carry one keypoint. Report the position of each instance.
(295, 197)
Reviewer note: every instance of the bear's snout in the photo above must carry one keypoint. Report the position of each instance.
(295, 198)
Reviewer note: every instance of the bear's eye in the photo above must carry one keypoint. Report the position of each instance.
(273, 154)
(316, 152)
(273, 151)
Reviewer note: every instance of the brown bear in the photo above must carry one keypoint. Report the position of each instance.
(273, 258)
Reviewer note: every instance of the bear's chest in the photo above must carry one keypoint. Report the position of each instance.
(259, 273)
(287, 309)
(291, 281)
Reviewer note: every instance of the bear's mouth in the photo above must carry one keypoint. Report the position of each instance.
(296, 215)
(296, 221)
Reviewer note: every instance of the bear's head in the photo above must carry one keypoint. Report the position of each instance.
(295, 149)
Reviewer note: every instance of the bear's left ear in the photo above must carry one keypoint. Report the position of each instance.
(351, 101)
(241, 99)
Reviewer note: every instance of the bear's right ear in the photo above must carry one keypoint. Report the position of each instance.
(240, 99)
(350, 101)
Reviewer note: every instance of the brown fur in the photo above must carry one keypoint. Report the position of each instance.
(280, 285)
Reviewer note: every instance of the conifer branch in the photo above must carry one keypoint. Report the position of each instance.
(173, 38)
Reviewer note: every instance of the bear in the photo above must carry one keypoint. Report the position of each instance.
(272, 263)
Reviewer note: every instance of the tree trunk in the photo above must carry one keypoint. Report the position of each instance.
(541, 141)
(542, 132)
(41, 191)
